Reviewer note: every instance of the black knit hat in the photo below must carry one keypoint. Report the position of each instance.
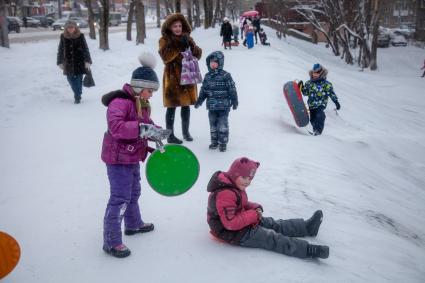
(145, 76)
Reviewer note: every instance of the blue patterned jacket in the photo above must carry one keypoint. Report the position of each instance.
(318, 93)
(218, 87)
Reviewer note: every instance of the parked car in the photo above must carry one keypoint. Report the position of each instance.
(12, 25)
(81, 23)
(34, 23)
(59, 24)
(405, 30)
(21, 23)
(398, 40)
(384, 40)
(44, 21)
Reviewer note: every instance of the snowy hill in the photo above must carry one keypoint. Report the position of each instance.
(366, 172)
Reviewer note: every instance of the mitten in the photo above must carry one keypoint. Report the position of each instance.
(149, 131)
(338, 106)
(87, 65)
(61, 66)
(301, 85)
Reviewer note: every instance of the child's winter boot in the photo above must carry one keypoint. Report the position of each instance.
(213, 145)
(119, 251)
(144, 229)
(222, 147)
(313, 223)
(315, 251)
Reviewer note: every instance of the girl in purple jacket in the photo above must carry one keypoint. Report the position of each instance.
(125, 144)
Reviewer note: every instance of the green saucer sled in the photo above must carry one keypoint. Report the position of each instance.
(172, 170)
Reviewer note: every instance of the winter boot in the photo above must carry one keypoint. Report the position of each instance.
(173, 139)
(313, 223)
(222, 147)
(144, 229)
(119, 251)
(213, 145)
(169, 123)
(315, 251)
(185, 114)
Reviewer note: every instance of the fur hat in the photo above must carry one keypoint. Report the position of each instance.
(242, 167)
(318, 68)
(145, 76)
(226, 19)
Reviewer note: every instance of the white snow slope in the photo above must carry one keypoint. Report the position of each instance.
(366, 172)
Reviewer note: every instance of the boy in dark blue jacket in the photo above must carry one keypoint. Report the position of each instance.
(218, 88)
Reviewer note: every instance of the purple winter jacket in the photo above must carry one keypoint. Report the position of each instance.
(121, 142)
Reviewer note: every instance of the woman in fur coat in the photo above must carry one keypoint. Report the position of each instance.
(175, 39)
(73, 57)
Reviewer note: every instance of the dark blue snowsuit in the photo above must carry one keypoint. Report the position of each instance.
(218, 88)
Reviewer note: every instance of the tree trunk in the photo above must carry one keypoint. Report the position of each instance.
(375, 28)
(158, 13)
(197, 13)
(217, 16)
(130, 19)
(223, 8)
(189, 5)
(4, 34)
(178, 6)
(207, 22)
(169, 7)
(104, 25)
(92, 33)
(140, 22)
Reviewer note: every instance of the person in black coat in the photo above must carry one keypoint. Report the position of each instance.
(226, 32)
(257, 26)
(74, 57)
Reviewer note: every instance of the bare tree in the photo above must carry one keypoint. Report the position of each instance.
(169, 6)
(208, 13)
(178, 6)
(217, 15)
(4, 36)
(376, 11)
(197, 10)
(158, 13)
(140, 22)
(189, 5)
(130, 19)
(104, 25)
(92, 33)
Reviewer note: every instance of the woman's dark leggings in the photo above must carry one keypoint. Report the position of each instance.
(185, 115)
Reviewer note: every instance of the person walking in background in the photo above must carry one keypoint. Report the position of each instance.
(226, 32)
(257, 26)
(175, 39)
(73, 58)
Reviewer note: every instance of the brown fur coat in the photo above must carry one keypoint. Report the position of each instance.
(174, 94)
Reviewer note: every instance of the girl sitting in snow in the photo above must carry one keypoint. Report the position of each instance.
(234, 219)
(125, 144)
(318, 90)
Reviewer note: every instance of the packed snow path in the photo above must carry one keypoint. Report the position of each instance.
(366, 172)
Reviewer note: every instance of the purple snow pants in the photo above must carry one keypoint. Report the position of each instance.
(124, 180)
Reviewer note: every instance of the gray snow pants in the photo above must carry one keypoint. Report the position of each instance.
(276, 235)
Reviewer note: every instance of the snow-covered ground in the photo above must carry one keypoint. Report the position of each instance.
(366, 172)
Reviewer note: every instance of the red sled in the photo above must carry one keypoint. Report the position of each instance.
(296, 104)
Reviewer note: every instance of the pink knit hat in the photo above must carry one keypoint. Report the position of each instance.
(242, 167)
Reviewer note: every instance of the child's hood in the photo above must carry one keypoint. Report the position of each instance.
(219, 58)
(125, 93)
(219, 181)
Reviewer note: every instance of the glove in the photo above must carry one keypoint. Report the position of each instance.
(149, 131)
(87, 65)
(300, 85)
(61, 66)
(184, 41)
(338, 106)
(235, 106)
(197, 105)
